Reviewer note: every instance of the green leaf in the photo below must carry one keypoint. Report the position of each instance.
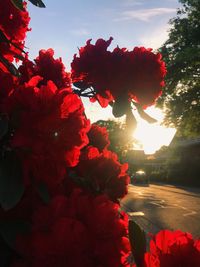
(37, 3)
(120, 106)
(10, 229)
(18, 4)
(10, 67)
(131, 122)
(11, 181)
(3, 37)
(81, 85)
(43, 192)
(6, 254)
(17, 47)
(20, 57)
(144, 115)
(138, 242)
(3, 125)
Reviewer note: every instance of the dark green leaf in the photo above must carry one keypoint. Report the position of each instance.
(138, 242)
(3, 38)
(3, 125)
(43, 192)
(37, 3)
(131, 122)
(16, 46)
(120, 106)
(73, 175)
(6, 254)
(10, 229)
(81, 85)
(10, 67)
(145, 116)
(18, 4)
(20, 57)
(11, 181)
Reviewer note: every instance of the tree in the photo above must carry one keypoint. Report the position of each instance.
(181, 52)
(120, 140)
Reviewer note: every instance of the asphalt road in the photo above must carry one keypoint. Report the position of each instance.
(157, 207)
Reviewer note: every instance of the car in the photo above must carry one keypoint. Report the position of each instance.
(139, 177)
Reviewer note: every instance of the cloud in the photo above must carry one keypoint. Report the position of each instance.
(156, 38)
(129, 3)
(80, 32)
(145, 14)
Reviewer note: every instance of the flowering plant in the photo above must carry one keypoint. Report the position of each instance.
(60, 185)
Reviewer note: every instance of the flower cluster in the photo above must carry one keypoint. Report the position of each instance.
(60, 177)
(104, 173)
(55, 71)
(81, 230)
(14, 25)
(98, 137)
(173, 248)
(47, 122)
(7, 84)
(138, 74)
(47, 131)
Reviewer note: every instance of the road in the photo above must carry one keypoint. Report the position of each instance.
(157, 207)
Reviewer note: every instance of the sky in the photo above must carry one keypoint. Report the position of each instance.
(66, 25)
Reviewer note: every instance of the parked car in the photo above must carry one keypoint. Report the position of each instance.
(139, 177)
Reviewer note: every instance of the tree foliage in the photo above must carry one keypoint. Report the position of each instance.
(181, 52)
(120, 140)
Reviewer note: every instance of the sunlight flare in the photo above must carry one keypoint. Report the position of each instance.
(152, 137)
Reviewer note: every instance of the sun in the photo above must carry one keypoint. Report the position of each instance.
(153, 136)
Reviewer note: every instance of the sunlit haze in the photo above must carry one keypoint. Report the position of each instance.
(151, 137)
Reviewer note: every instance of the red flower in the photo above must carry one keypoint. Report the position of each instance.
(91, 68)
(24, 209)
(104, 173)
(14, 24)
(173, 249)
(81, 230)
(98, 137)
(47, 67)
(49, 129)
(7, 82)
(148, 71)
(138, 74)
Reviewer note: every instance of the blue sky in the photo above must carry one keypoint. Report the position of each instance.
(66, 25)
